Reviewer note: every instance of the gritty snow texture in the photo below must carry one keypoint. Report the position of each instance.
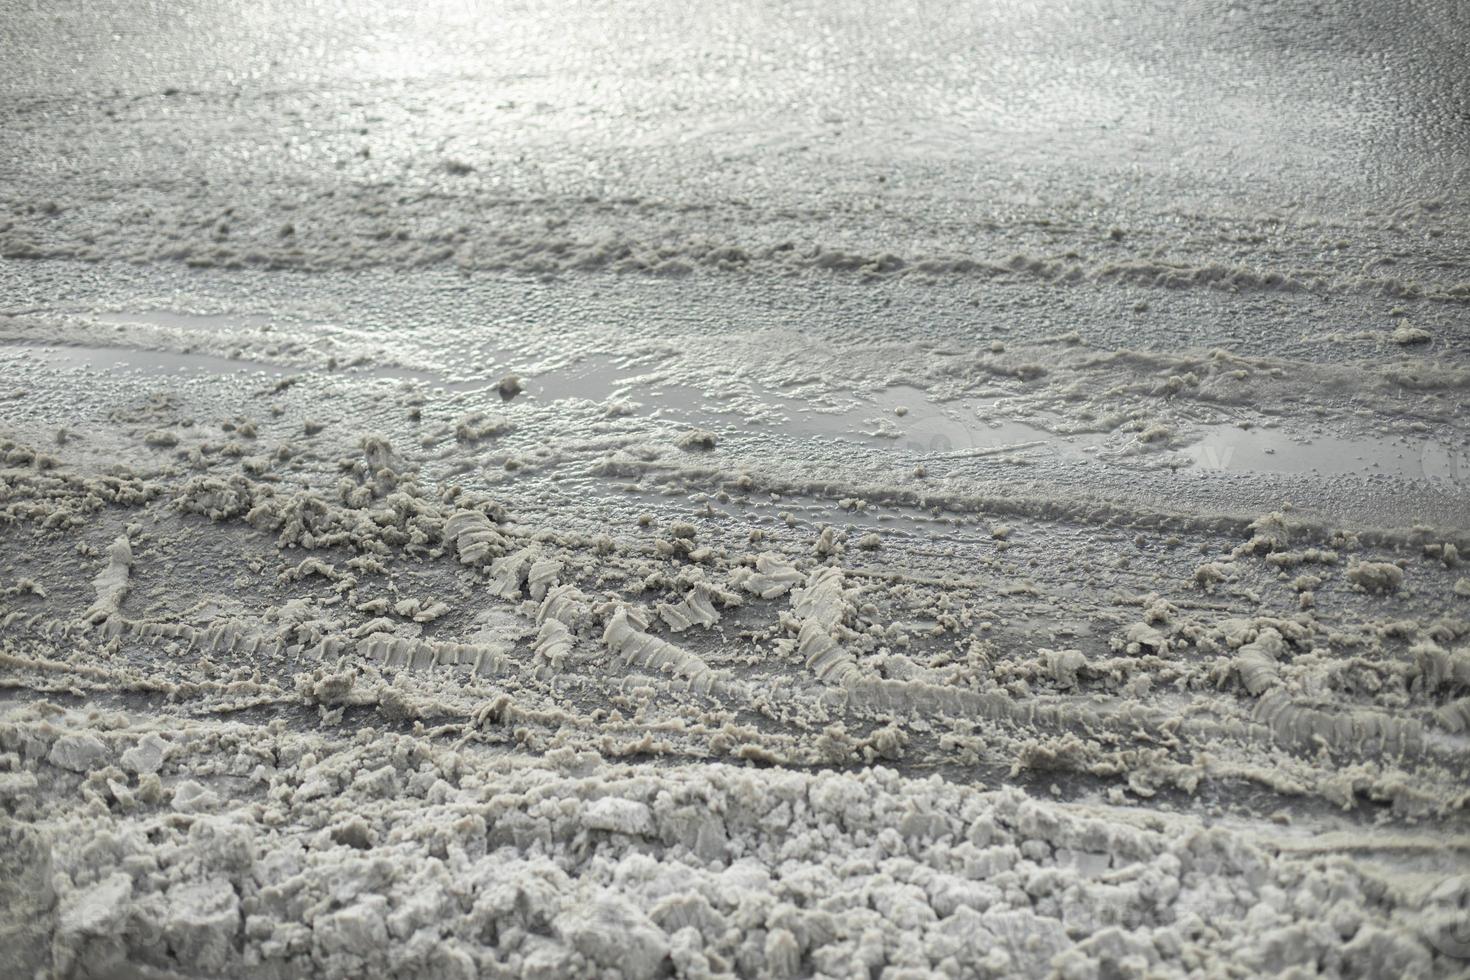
(961, 490)
(378, 852)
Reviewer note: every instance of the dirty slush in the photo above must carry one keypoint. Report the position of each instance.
(579, 489)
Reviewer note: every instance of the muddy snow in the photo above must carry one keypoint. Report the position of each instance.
(589, 490)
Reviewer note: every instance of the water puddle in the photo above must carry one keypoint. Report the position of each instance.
(595, 378)
(905, 420)
(1226, 448)
(900, 419)
(908, 419)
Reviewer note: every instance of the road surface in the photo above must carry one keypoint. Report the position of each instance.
(572, 488)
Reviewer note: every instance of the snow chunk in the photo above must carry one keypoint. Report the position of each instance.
(772, 577)
(619, 815)
(203, 919)
(147, 756)
(1376, 576)
(98, 910)
(358, 929)
(614, 934)
(112, 582)
(79, 752)
(190, 797)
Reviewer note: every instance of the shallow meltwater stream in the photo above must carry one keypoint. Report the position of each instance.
(906, 420)
(900, 419)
